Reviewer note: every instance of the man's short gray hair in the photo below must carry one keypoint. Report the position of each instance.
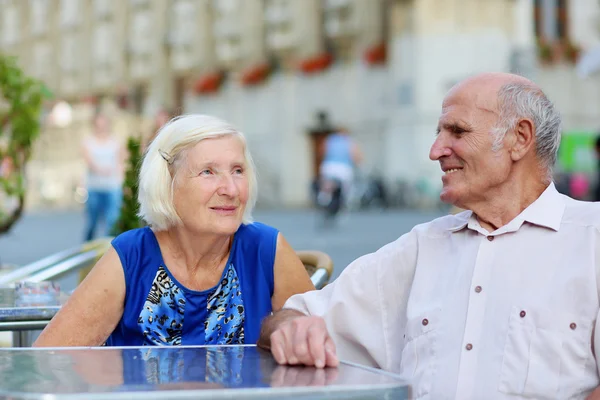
(522, 100)
(166, 155)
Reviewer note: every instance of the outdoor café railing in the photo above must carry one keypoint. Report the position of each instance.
(75, 257)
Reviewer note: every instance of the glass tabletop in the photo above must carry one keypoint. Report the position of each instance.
(181, 372)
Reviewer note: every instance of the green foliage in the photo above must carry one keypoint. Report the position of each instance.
(128, 218)
(21, 100)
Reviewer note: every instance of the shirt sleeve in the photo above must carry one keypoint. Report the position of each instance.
(365, 308)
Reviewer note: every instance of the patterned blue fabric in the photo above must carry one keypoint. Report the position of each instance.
(161, 318)
(225, 321)
(159, 310)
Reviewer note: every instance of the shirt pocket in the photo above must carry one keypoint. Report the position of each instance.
(545, 351)
(419, 352)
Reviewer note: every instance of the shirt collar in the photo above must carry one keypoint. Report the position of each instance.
(546, 211)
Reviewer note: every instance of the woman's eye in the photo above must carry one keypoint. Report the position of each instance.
(206, 172)
(238, 171)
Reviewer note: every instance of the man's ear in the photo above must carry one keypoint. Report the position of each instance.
(524, 139)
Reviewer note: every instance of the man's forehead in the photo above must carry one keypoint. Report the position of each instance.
(467, 103)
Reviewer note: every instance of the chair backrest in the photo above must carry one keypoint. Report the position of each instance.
(318, 265)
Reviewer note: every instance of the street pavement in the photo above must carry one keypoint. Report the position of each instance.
(39, 234)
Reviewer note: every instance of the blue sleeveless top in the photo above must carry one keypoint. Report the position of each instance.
(338, 149)
(161, 311)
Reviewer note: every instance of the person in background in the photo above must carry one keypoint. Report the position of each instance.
(597, 151)
(104, 157)
(500, 301)
(202, 272)
(340, 155)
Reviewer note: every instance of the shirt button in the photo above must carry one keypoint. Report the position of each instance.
(477, 289)
(425, 322)
(490, 238)
(469, 346)
(522, 314)
(573, 325)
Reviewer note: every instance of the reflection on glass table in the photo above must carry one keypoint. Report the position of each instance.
(179, 373)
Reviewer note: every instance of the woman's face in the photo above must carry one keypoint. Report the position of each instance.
(211, 186)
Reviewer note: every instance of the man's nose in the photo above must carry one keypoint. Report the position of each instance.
(439, 148)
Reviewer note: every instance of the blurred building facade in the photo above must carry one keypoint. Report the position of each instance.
(272, 67)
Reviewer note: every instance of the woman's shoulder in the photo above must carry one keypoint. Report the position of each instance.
(257, 231)
(134, 239)
(133, 235)
(136, 247)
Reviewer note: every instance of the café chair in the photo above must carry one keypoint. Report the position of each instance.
(318, 265)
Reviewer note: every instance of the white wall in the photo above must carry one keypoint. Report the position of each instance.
(277, 115)
(577, 99)
(584, 22)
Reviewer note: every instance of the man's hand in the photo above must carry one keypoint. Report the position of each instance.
(294, 338)
(304, 340)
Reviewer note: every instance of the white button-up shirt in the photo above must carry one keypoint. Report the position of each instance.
(462, 313)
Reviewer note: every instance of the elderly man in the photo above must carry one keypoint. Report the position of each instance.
(496, 302)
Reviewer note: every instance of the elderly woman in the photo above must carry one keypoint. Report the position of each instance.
(202, 272)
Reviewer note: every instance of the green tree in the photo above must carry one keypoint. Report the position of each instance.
(129, 218)
(21, 100)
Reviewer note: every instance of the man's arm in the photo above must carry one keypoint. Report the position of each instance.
(361, 314)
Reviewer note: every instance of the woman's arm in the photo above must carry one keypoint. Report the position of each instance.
(290, 275)
(93, 310)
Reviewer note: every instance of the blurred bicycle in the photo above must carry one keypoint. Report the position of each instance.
(330, 199)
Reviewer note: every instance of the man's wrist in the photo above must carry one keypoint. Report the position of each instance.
(271, 323)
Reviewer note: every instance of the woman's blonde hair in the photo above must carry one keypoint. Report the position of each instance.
(164, 157)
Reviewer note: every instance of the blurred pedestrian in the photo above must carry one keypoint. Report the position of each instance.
(579, 186)
(341, 155)
(104, 156)
(597, 188)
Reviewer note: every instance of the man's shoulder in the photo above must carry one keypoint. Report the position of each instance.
(585, 213)
(443, 225)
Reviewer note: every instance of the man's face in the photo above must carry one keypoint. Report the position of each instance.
(463, 147)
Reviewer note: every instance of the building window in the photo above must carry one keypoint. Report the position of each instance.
(39, 11)
(70, 13)
(279, 25)
(10, 25)
(103, 8)
(551, 20)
